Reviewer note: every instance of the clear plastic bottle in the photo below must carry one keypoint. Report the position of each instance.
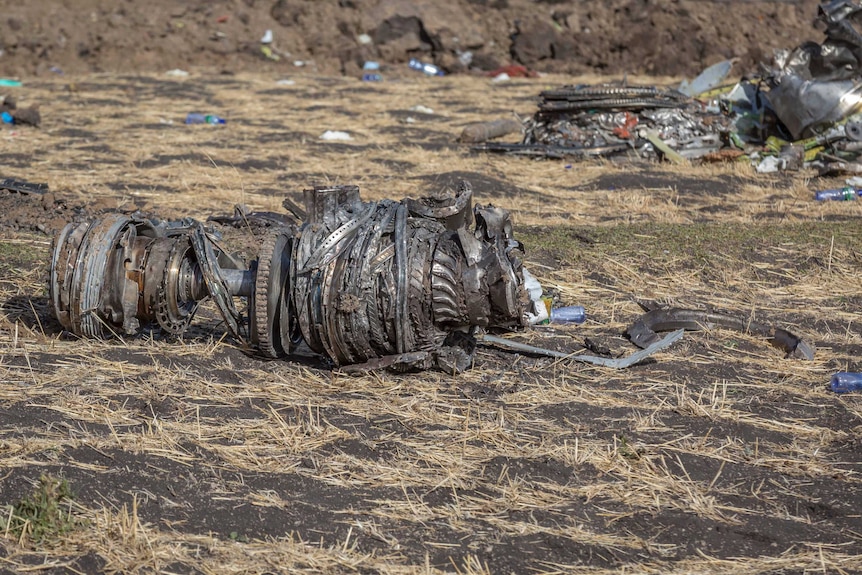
(845, 381)
(568, 314)
(195, 118)
(846, 193)
(428, 69)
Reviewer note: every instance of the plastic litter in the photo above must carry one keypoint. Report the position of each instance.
(7, 118)
(846, 381)
(846, 193)
(372, 78)
(268, 53)
(177, 73)
(425, 68)
(197, 118)
(7, 83)
(421, 109)
(568, 314)
(267, 37)
(371, 65)
(364, 39)
(335, 136)
(770, 165)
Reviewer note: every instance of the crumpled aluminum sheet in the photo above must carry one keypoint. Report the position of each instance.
(816, 85)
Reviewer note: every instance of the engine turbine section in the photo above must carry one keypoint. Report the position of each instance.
(368, 284)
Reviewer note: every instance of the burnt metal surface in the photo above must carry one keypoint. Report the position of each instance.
(367, 284)
(609, 120)
(643, 331)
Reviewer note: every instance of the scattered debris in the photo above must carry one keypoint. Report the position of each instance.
(421, 109)
(643, 331)
(707, 80)
(568, 314)
(269, 54)
(608, 120)
(10, 113)
(425, 68)
(177, 73)
(484, 131)
(620, 363)
(846, 381)
(512, 71)
(846, 193)
(197, 118)
(805, 110)
(336, 136)
(7, 83)
(22, 187)
(267, 37)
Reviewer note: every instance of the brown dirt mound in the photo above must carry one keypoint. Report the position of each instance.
(661, 37)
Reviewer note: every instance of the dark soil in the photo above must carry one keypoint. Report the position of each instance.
(661, 37)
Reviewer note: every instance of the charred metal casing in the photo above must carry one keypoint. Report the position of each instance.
(368, 284)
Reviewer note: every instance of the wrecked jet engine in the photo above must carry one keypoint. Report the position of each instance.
(368, 284)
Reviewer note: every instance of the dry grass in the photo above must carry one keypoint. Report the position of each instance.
(721, 456)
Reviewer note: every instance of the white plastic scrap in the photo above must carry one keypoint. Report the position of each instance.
(539, 312)
(421, 109)
(267, 37)
(502, 77)
(770, 165)
(364, 39)
(176, 73)
(335, 136)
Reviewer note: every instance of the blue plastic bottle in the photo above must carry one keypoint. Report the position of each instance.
(428, 69)
(195, 118)
(846, 193)
(845, 381)
(569, 314)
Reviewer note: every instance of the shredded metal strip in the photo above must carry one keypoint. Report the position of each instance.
(620, 363)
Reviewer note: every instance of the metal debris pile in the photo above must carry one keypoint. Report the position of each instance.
(609, 120)
(805, 109)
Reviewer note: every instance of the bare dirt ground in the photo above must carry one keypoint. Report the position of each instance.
(717, 456)
(670, 37)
